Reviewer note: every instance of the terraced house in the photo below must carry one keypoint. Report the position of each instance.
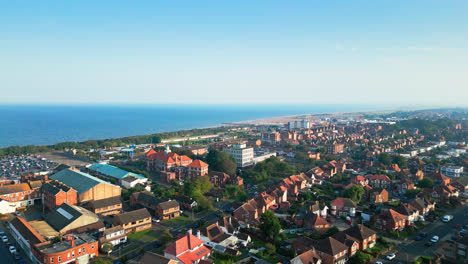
(22, 194)
(133, 221)
(163, 209)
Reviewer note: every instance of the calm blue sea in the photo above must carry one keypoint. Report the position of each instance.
(50, 124)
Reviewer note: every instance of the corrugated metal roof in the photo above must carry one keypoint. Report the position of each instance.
(114, 172)
(79, 181)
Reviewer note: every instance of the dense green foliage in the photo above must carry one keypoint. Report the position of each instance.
(269, 225)
(384, 158)
(221, 161)
(196, 189)
(360, 258)
(426, 183)
(270, 168)
(354, 193)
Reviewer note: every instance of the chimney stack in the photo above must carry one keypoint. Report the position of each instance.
(189, 231)
(198, 233)
(73, 242)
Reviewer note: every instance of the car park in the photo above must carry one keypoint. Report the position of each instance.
(434, 239)
(390, 256)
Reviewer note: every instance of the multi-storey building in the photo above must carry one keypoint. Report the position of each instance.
(335, 148)
(22, 194)
(242, 155)
(56, 193)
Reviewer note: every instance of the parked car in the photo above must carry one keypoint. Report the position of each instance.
(463, 232)
(434, 239)
(428, 244)
(390, 256)
(447, 218)
(156, 220)
(418, 238)
(4, 238)
(17, 256)
(12, 249)
(378, 262)
(423, 234)
(2, 233)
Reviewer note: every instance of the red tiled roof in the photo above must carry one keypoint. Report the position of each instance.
(183, 244)
(191, 257)
(198, 163)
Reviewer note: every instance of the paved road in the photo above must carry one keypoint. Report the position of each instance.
(409, 250)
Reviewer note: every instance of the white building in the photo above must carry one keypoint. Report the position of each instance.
(7, 207)
(115, 235)
(452, 171)
(243, 155)
(261, 156)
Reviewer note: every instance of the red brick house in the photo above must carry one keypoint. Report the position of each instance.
(404, 186)
(22, 194)
(378, 196)
(343, 206)
(196, 169)
(390, 220)
(359, 180)
(379, 181)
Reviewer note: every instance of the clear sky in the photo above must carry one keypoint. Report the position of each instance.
(374, 51)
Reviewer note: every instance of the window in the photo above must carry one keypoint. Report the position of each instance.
(84, 250)
(73, 254)
(92, 246)
(59, 259)
(68, 255)
(51, 260)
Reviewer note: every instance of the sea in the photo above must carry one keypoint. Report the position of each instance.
(49, 124)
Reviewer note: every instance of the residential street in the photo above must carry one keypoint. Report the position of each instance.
(409, 250)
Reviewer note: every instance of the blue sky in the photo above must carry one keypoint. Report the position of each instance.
(394, 52)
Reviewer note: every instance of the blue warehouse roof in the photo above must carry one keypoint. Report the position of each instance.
(113, 172)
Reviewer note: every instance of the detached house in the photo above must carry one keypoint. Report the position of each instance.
(411, 214)
(404, 186)
(390, 220)
(378, 196)
(343, 206)
(188, 249)
(423, 205)
(332, 251)
(214, 236)
(379, 181)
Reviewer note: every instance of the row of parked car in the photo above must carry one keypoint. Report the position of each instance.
(10, 247)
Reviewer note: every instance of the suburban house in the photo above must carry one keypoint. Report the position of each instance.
(309, 257)
(187, 249)
(379, 181)
(315, 222)
(390, 220)
(411, 213)
(153, 258)
(378, 196)
(423, 205)
(213, 236)
(133, 221)
(359, 180)
(332, 251)
(115, 235)
(318, 208)
(162, 209)
(343, 206)
(403, 186)
(107, 206)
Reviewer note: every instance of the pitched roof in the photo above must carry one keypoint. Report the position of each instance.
(186, 242)
(198, 164)
(168, 204)
(78, 180)
(392, 214)
(360, 232)
(147, 198)
(308, 257)
(343, 202)
(114, 172)
(35, 184)
(65, 214)
(191, 257)
(330, 246)
(14, 188)
(105, 202)
(132, 216)
(27, 231)
(55, 187)
(153, 258)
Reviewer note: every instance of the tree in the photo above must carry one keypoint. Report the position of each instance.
(426, 183)
(331, 231)
(400, 160)
(221, 161)
(156, 139)
(360, 258)
(354, 193)
(270, 248)
(384, 158)
(269, 224)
